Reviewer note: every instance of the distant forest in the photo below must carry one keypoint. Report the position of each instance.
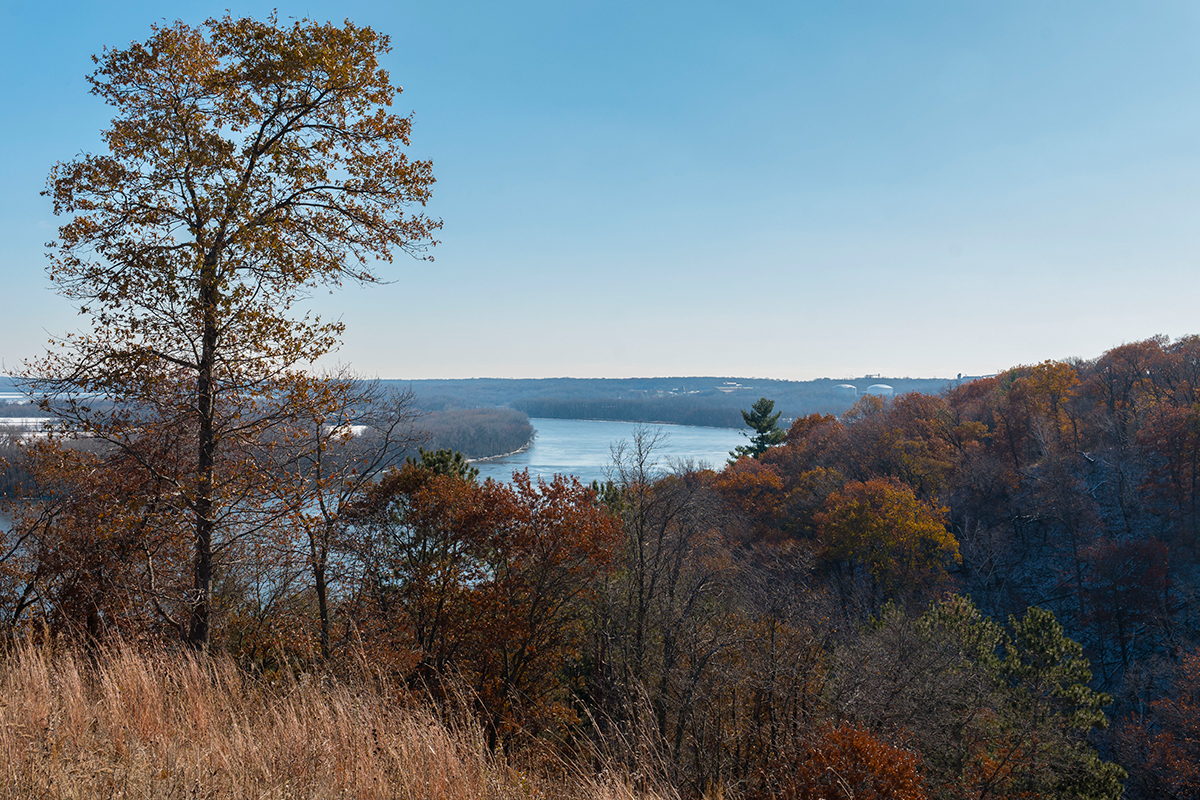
(711, 401)
(659, 409)
(477, 432)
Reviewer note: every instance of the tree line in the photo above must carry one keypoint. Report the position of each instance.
(476, 432)
(673, 410)
(727, 393)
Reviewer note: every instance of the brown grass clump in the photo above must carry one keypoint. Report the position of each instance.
(122, 724)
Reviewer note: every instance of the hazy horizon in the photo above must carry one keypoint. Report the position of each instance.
(11, 377)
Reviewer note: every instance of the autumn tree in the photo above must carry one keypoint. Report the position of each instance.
(248, 163)
(1171, 436)
(754, 490)
(1120, 380)
(368, 432)
(847, 762)
(88, 549)
(914, 439)
(664, 621)
(479, 580)
(1052, 385)
(553, 553)
(1126, 587)
(418, 540)
(880, 526)
(1162, 740)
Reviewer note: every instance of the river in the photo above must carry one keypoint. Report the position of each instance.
(584, 448)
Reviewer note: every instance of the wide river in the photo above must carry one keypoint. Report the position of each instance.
(584, 448)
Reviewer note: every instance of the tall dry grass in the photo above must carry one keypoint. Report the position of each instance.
(123, 724)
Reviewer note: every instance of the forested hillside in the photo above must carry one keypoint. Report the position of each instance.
(989, 592)
(683, 401)
(476, 432)
(714, 402)
(1070, 487)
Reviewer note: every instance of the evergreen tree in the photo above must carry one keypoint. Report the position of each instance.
(765, 425)
(446, 462)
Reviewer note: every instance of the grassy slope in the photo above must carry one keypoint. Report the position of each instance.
(171, 726)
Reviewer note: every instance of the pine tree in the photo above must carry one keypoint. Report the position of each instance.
(767, 432)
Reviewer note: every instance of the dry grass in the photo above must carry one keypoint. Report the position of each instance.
(128, 725)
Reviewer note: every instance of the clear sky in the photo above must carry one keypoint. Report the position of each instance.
(786, 190)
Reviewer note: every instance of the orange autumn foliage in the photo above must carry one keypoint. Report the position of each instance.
(754, 489)
(848, 762)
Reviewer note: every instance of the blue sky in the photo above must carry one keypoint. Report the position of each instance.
(787, 190)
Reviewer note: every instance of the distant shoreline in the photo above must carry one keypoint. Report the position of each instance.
(520, 449)
(638, 422)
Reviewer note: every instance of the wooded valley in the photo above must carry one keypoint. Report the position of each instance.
(985, 593)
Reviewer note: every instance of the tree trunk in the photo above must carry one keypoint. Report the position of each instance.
(319, 561)
(199, 623)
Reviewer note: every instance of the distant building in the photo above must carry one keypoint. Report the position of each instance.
(880, 390)
(846, 390)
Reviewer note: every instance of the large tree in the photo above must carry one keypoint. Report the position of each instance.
(248, 163)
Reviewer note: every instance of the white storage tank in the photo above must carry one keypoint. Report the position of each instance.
(880, 389)
(847, 390)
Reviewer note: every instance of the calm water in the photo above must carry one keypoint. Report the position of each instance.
(584, 448)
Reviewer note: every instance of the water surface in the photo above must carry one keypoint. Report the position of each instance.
(584, 448)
